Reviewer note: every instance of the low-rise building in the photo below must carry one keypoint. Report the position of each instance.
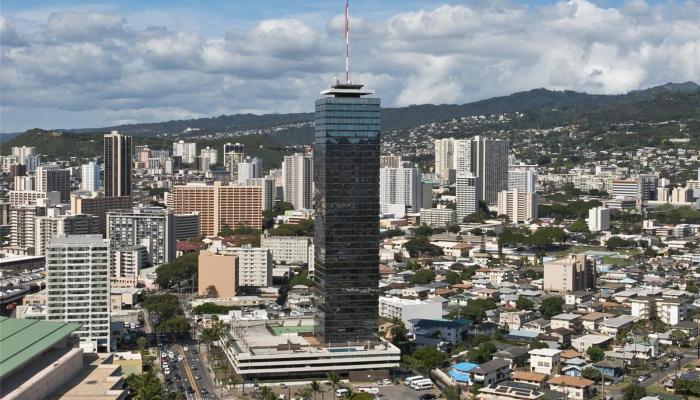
(544, 361)
(408, 309)
(572, 387)
(582, 343)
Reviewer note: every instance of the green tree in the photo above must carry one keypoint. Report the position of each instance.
(145, 386)
(141, 343)
(452, 277)
(595, 354)
(551, 306)
(691, 286)
(315, 388)
(425, 358)
(579, 226)
(482, 353)
(592, 373)
(538, 345)
(523, 303)
(475, 309)
(179, 272)
(333, 381)
(420, 246)
(679, 337)
(633, 392)
(422, 277)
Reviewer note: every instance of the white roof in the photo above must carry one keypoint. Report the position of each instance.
(544, 352)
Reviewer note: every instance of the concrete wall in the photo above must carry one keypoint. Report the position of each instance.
(217, 270)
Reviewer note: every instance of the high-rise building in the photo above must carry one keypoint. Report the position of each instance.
(598, 219)
(491, 165)
(444, 157)
(518, 206)
(681, 195)
(53, 179)
(79, 288)
(220, 206)
(186, 226)
(523, 180)
(91, 203)
(23, 226)
(250, 168)
(254, 267)
(268, 190)
(27, 183)
(346, 178)
(125, 264)
(186, 150)
(22, 152)
(19, 197)
(566, 275)
(647, 187)
(216, 274)
(211, 154)
(625, 188)
(468, 194)
(288, 249)
(663, 194)
(464, 156)
(389, 161)
(90, 176)
(54, 224)
(401, 185)
(152, 227)
(234, 153)
(117, 167)
(297, 175)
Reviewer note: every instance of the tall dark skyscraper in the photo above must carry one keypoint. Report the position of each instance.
(118, 150)
(346, 176)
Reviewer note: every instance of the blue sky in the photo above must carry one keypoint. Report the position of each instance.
(69, 64)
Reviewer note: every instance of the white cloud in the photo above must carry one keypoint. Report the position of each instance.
(78, 68)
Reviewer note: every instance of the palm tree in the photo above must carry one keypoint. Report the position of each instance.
(315, 388)
(334, 382)
(266, 394)
(146, 386)
(304, 393)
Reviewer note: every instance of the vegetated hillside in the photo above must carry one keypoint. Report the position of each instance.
(542, 108)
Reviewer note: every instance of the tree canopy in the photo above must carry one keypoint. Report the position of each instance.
(179, 272)
(551, 306)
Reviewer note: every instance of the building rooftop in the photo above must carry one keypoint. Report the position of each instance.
(544, 352)
(570, 381)
(23, 339)
(566, 317)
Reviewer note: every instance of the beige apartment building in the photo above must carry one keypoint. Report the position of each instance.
(517, 205)
(220, 205)
(575, 272)
(219, 271)
(98, 205)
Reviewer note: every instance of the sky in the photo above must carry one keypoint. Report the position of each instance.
(75, 64)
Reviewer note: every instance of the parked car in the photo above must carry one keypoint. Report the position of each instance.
(642, 378)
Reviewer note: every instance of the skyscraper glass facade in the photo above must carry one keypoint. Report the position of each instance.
(346, 176)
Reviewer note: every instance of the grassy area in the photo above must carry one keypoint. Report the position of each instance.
(617, 260)
(278, 330)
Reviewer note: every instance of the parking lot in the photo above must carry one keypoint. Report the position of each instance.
(387, 392)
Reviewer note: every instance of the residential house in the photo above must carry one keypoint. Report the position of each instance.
(612, 326)
(448, 331)
(530, 378)
(566, 320)
(578, 297)
(544, 361)
(591, 322)
(574, 367)
(612, 370)
(515, 319)
(539, 325)
(490, 372)
(515, 355)
(573, 388)
(582, 343)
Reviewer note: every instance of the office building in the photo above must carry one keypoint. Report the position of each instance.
(152, 227)
(90, 177)
(216, 274)
(220, 206)
(186, 225)
(438, 217)
(17, 170)
(598, 219)
(468, 193)
(523, 180)
(78, 287)
(566, 275)
(54, 224)
(117, 165)
(401, 186)
(297, 175)
(663, 194)
(52, 179)
(250, 168)
(287, 249)
(186, 150)
(681, 195)
(518, 206)
(389, 161)
(464, 150)
(490, 161)
(346, 178)
(622, 188)
(93, 204)
(444, 157)
(647, 187)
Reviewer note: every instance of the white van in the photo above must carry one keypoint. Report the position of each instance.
(340, 392)
(408, 381)
(370, 390)
(423, 385)
(420, 382)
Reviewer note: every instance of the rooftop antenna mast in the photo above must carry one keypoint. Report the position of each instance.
(347, 43)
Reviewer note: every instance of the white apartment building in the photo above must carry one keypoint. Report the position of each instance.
(518, 206)
(23, 183)
(400, 185)
(90, 177)
(438, 216)
(408, 309)
(251, 168)
(22, 153)
(186, 150)
(254, 265)
(152, 227)
(598, 219)
(211, 155)
(79, 288)
(297, 181)
(468, 193)
(523, 180)
(444, 157)
(269, 192)
(23, 197)
(287, 249)
(125, 264)
(669, 311)
(23, 226)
